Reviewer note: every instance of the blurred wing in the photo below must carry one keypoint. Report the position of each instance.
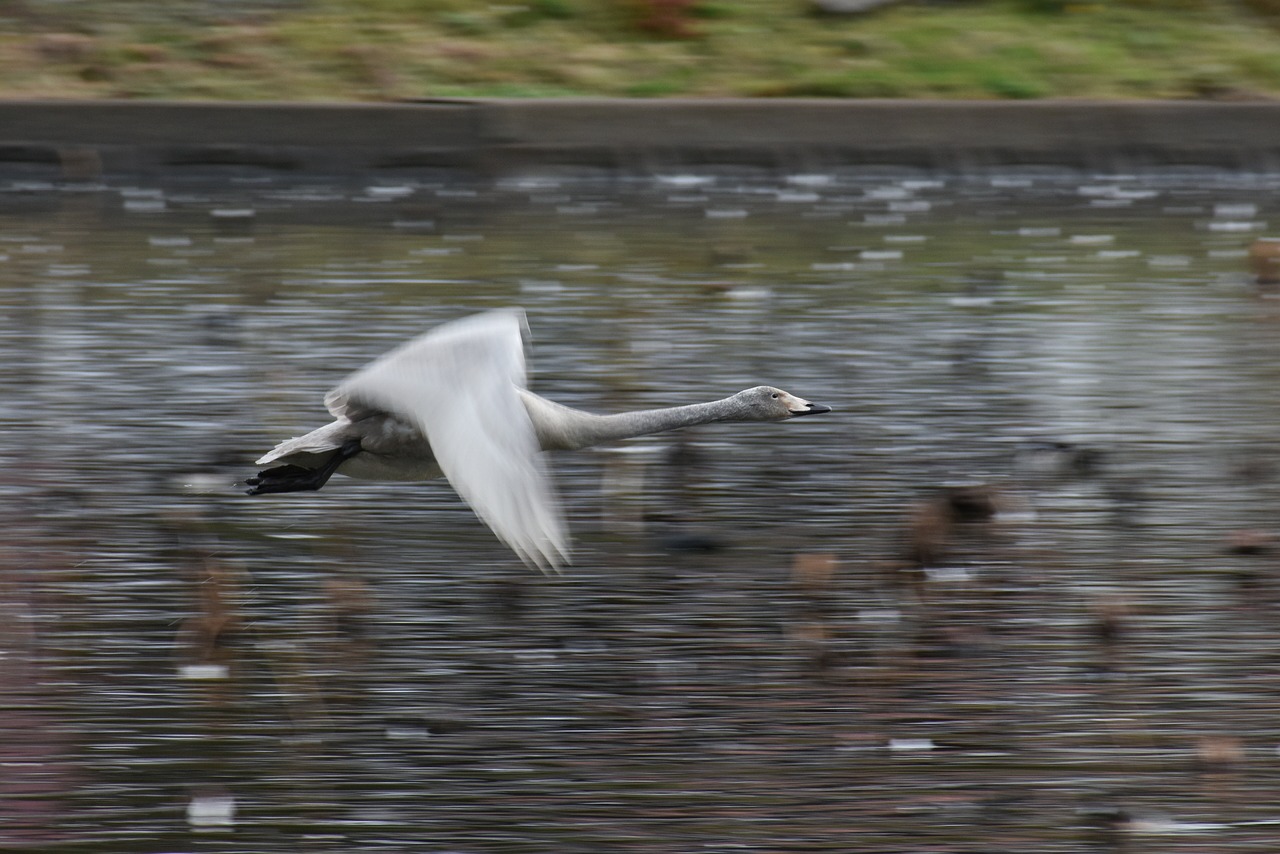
(459, 385)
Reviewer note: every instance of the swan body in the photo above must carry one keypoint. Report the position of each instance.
(452, 402)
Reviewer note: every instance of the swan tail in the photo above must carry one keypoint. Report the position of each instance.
(295, 478)
(309, 451)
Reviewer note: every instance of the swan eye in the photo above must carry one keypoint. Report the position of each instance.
(774, 395)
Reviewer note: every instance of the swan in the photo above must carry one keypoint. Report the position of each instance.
(452, 402)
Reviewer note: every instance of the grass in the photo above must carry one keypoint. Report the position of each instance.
(406, 49)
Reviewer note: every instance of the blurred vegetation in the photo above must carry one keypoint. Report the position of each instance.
(407, 49)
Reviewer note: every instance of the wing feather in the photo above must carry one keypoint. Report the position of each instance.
(459, 384)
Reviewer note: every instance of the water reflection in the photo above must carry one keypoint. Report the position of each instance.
(1019, 593)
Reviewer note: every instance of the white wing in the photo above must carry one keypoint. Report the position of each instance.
(458, 384)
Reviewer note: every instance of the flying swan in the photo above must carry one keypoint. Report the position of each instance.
(453, 402)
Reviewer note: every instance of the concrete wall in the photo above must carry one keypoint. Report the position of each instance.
(91, 138)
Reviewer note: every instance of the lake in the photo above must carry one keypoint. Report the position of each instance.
(1018, 591)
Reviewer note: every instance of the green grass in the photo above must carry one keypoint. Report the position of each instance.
(401, 49)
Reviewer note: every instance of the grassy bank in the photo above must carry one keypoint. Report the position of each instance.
(403, 49)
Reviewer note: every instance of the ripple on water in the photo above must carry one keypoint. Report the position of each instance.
(380, 670)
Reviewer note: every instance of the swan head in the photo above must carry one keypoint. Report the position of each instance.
(766, 403)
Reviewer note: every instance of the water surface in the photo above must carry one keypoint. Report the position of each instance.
(748, 653)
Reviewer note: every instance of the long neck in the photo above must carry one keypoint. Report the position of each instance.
(561, 428)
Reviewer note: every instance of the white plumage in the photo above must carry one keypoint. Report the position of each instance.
(453, 402)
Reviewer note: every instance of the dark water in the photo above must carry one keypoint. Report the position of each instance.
(774, 638)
